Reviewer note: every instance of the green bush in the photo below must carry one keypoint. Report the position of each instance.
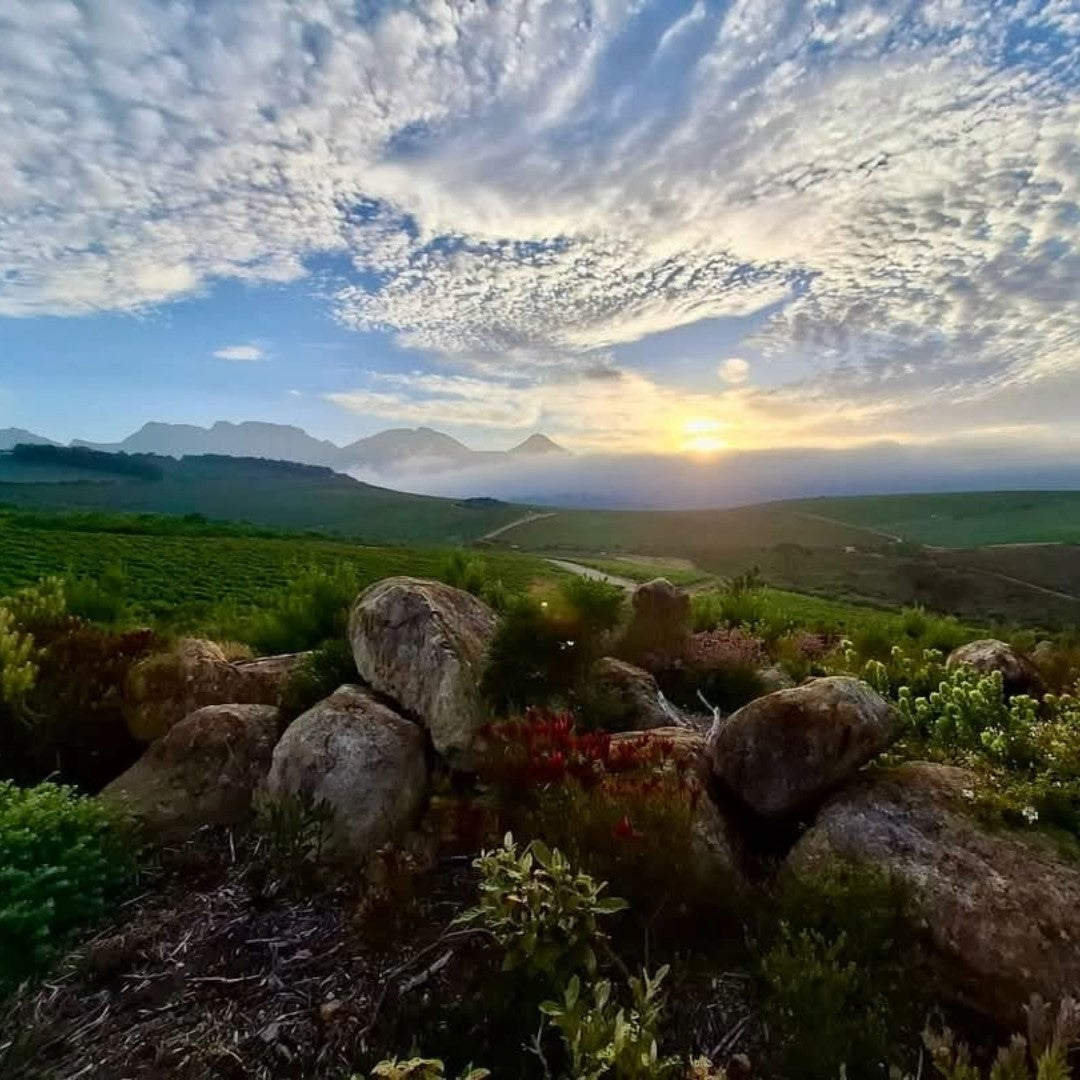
(604, 1038)
(845, 976)
(420, 1069)
(543, 648)
(103, 599)
(319, 674)
(313, 609)
(472, 573)
(544, 914)
(64, 859)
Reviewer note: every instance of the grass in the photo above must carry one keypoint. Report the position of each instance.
(965, 519)
(180, 577)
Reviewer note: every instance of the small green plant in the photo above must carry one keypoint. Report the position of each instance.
(311, 610)
(420, 1069)
(64, 858)
(605, 1039)
(298, 834)
(1043, 1055)
(545, 915)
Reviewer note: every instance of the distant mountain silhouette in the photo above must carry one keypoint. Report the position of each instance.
(397, 450)
(14, 436)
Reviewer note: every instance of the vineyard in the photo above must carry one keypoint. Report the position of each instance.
(165, 576)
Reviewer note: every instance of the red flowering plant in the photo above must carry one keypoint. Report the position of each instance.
(621, 806)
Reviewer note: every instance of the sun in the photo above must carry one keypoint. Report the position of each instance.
(701, 436)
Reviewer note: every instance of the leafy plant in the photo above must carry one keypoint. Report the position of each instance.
(543, 913)
(298, 833)
(1043, 1055)
(311, 610)
(318, 675)
(63, 859)
(420, 1069)
(605, 1039)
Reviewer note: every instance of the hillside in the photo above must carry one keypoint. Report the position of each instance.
(276, 495)
(797, 545)
(965, 519)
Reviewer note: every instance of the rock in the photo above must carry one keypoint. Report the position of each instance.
(203, 771)
(661, 621)
(1019, 674)
(360, 758)
(1002, 908)
(423, 644)
(165, 687)
(773, 678)
(629, 694)
(785, 751)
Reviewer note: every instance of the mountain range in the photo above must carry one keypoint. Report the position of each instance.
(397, 450)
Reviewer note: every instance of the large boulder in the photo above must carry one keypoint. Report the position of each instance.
(628, 696)
(1002, 907)
(203, 771)
(360, 759)
(786, 751)
(165, 687)
(660, 622)
(1019, 674)
(423, 644)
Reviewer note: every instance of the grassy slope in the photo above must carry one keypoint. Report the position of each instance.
(969, 519)
(318, 501)
(796, 547)
(167, 573)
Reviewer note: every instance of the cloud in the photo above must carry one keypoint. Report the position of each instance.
(890, 191)
(239, 352)
(734, 370)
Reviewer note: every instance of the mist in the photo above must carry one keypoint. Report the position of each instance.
(672, 482)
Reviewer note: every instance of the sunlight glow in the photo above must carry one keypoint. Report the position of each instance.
(702, 436)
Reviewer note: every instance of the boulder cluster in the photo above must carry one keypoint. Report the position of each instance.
(1002, 909)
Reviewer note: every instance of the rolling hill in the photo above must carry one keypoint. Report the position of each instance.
(275, 495)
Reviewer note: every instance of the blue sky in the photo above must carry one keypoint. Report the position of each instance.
(641, 226)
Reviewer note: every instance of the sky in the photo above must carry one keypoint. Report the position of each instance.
(641, 226)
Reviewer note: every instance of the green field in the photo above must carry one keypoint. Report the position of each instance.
(798, 548)
(168, 575)
(966, 519)
(265, 494)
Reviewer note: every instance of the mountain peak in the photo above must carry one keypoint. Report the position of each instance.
(538, 444)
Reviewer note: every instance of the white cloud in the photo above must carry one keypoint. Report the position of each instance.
(239, 352)
(734, 370)
(897, 185)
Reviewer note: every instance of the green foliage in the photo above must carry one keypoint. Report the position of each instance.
(844, 974)
(420, 1069)
(209, 578)
(606, 1039)
(473, 574)
(312, 609)
(1043, 1055)
(319, 674)
(64, 859)
(543, 913)
(543, 648)
(18, 667)
(104, 599)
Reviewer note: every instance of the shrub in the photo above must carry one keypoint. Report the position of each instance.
(541, 912)
(298, 833)
(845, 973)
(603, 1038)
(319, 674)
(543, 648)
(313, 609)
(624, 809)
(1043, 1055)
(72, 721)
(64, 858)
(102, 599)
(721, 665)
(472, 573)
